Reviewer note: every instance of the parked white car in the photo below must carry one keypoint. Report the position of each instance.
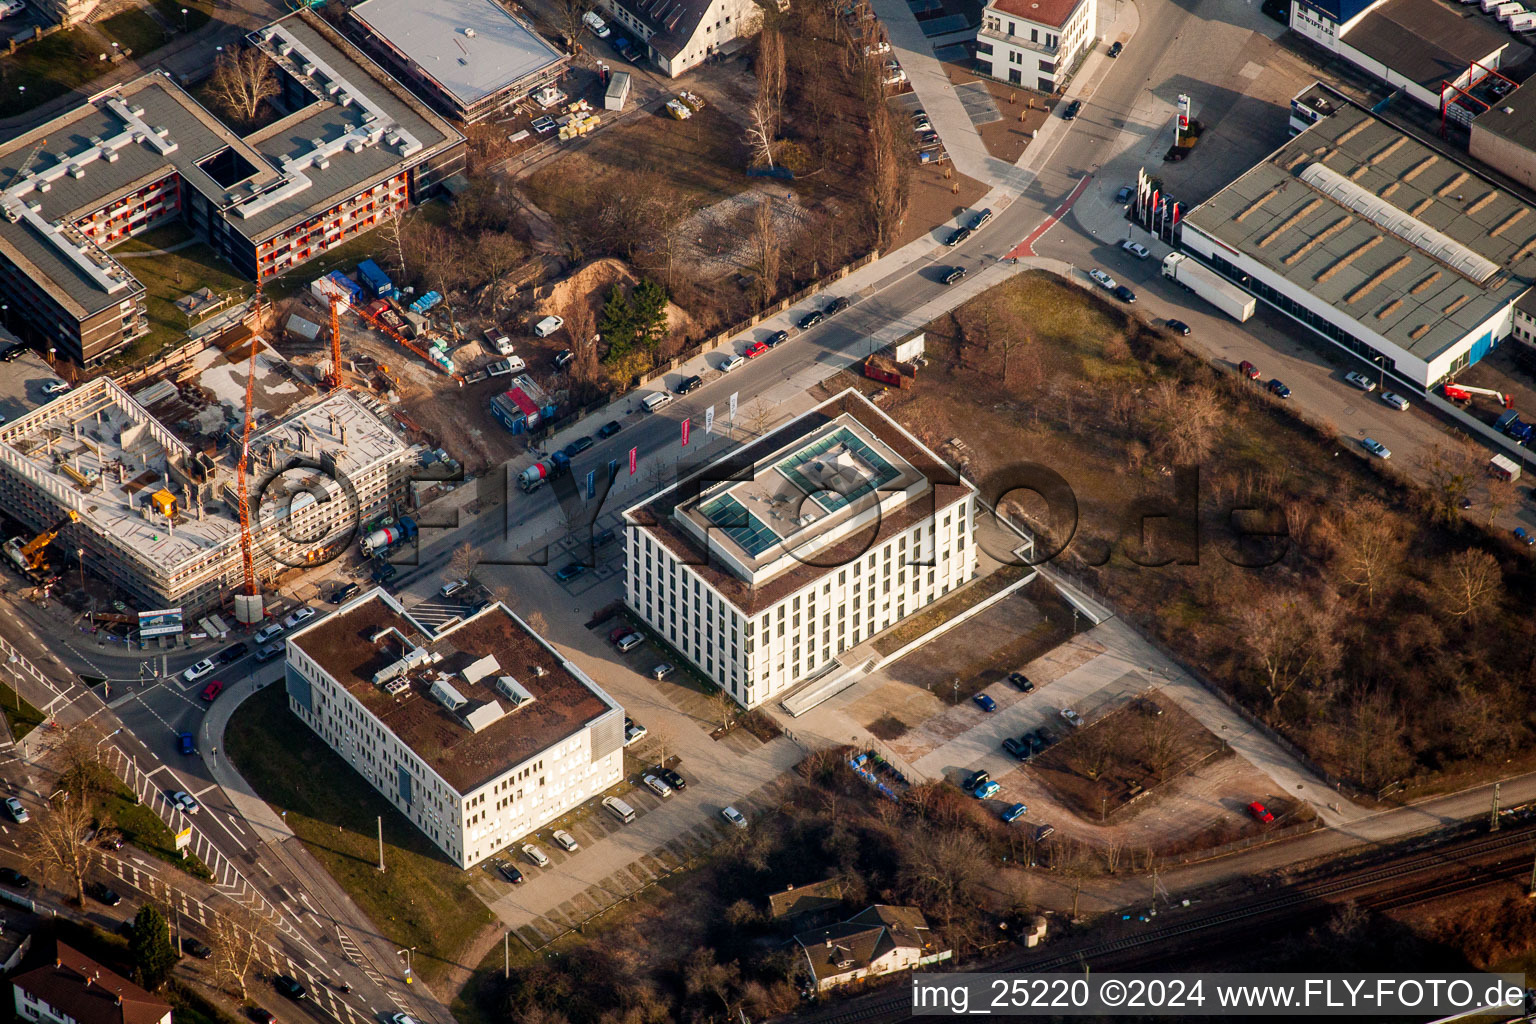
(732, 363)
(299, 615)
(536, 855)
(1136, 249)
(597, 25)
(656, 786)
(1395, 400)
(734, 816)
(549, 325)
(1104, 280)
(875, 49)
(566, 840)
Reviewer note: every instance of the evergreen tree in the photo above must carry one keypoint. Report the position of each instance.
(150, 944)
(649, 308)
(617, 323)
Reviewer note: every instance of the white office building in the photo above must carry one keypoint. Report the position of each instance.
(1034, 43)
(479, 734)
(767, 565)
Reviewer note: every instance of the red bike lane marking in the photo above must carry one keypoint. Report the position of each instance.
(1027, 247)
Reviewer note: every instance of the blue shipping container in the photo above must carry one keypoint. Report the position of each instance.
(377, 282)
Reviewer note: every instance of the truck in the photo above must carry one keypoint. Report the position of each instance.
(375, 280)
(382, 540)
(1511, 424)
(889, 371)
(1504, 467)
(1504, 12)
(1525, 22)
(532, 478)
(1194, 276)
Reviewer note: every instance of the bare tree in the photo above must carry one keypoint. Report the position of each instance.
(1502, 493)
(537, 622)
(392, 233)
(242, 81)
(1450, 471)
(463, 562)
(725, 707)
(1468, 583)
(1373, 732)
(1072, 861)
(766, 250)
(889, 182)
(760, 131)
(1372, 550)
(237, 947)
(1182, 423)
(57, 844)
(568, 15)
(944, 867)
(758, 415)
(1293, 643)
(499, 253)
(82, 769)
(663, 741)
(771, 77)
(1161, 744)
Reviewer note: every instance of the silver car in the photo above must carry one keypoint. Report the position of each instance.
(656, 786)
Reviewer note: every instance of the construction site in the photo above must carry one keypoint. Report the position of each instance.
(148, 490)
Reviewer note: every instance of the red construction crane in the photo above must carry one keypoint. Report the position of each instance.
(333, 379)
(251, 586)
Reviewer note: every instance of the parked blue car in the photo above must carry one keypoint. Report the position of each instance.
(985, 790)
(984, 702)
(1015, 812)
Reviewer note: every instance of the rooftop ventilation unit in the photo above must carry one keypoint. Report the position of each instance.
(449, 697)
(395, 687)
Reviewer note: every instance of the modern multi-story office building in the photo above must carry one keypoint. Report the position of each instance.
(160, 518)
(478, 734)
(765, 566)
(1034, 43)
(352, 150)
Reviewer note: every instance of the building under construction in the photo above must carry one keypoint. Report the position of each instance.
(159, 518)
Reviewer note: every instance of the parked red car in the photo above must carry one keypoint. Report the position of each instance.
(754, 350)
(1260, 813)
(1248, 370)
(212, 690)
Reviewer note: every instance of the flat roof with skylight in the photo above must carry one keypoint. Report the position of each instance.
(781, 510)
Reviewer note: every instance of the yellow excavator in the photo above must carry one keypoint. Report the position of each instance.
(32, 557)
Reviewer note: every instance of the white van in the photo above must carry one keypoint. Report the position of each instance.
(619, 809)
(597, 25)
(655, 400)
(549, 325)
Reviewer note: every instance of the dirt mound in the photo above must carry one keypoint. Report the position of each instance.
(591, 284)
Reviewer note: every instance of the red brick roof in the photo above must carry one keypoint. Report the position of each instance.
(1046, 12)
(83, 990)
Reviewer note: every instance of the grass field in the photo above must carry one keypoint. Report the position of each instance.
(143, 828)
(421, 900)
(19, 714)
(168, 277)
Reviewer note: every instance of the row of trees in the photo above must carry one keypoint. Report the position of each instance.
(61, 844)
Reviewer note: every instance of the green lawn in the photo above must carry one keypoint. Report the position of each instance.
(143, 828)
(421, 900)
(167, 278)
(21, 715)
(69, 59)
(135, 30)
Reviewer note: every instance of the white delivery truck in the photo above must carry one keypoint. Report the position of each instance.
(1523, 22)
(1209, 285)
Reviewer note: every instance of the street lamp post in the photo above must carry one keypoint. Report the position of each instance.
(183, 19)
(80, 560)
(410, 956)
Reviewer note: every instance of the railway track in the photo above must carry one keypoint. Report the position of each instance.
(1460, 868)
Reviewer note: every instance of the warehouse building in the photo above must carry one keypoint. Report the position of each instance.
(1392, 250)
(469, 58)
(160, 519)
(767, 565)
(353, 150)
(1426, 48)
(1504, 135)
(479, 734)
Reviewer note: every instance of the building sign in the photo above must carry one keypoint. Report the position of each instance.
(161, 622)
(184, 838)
